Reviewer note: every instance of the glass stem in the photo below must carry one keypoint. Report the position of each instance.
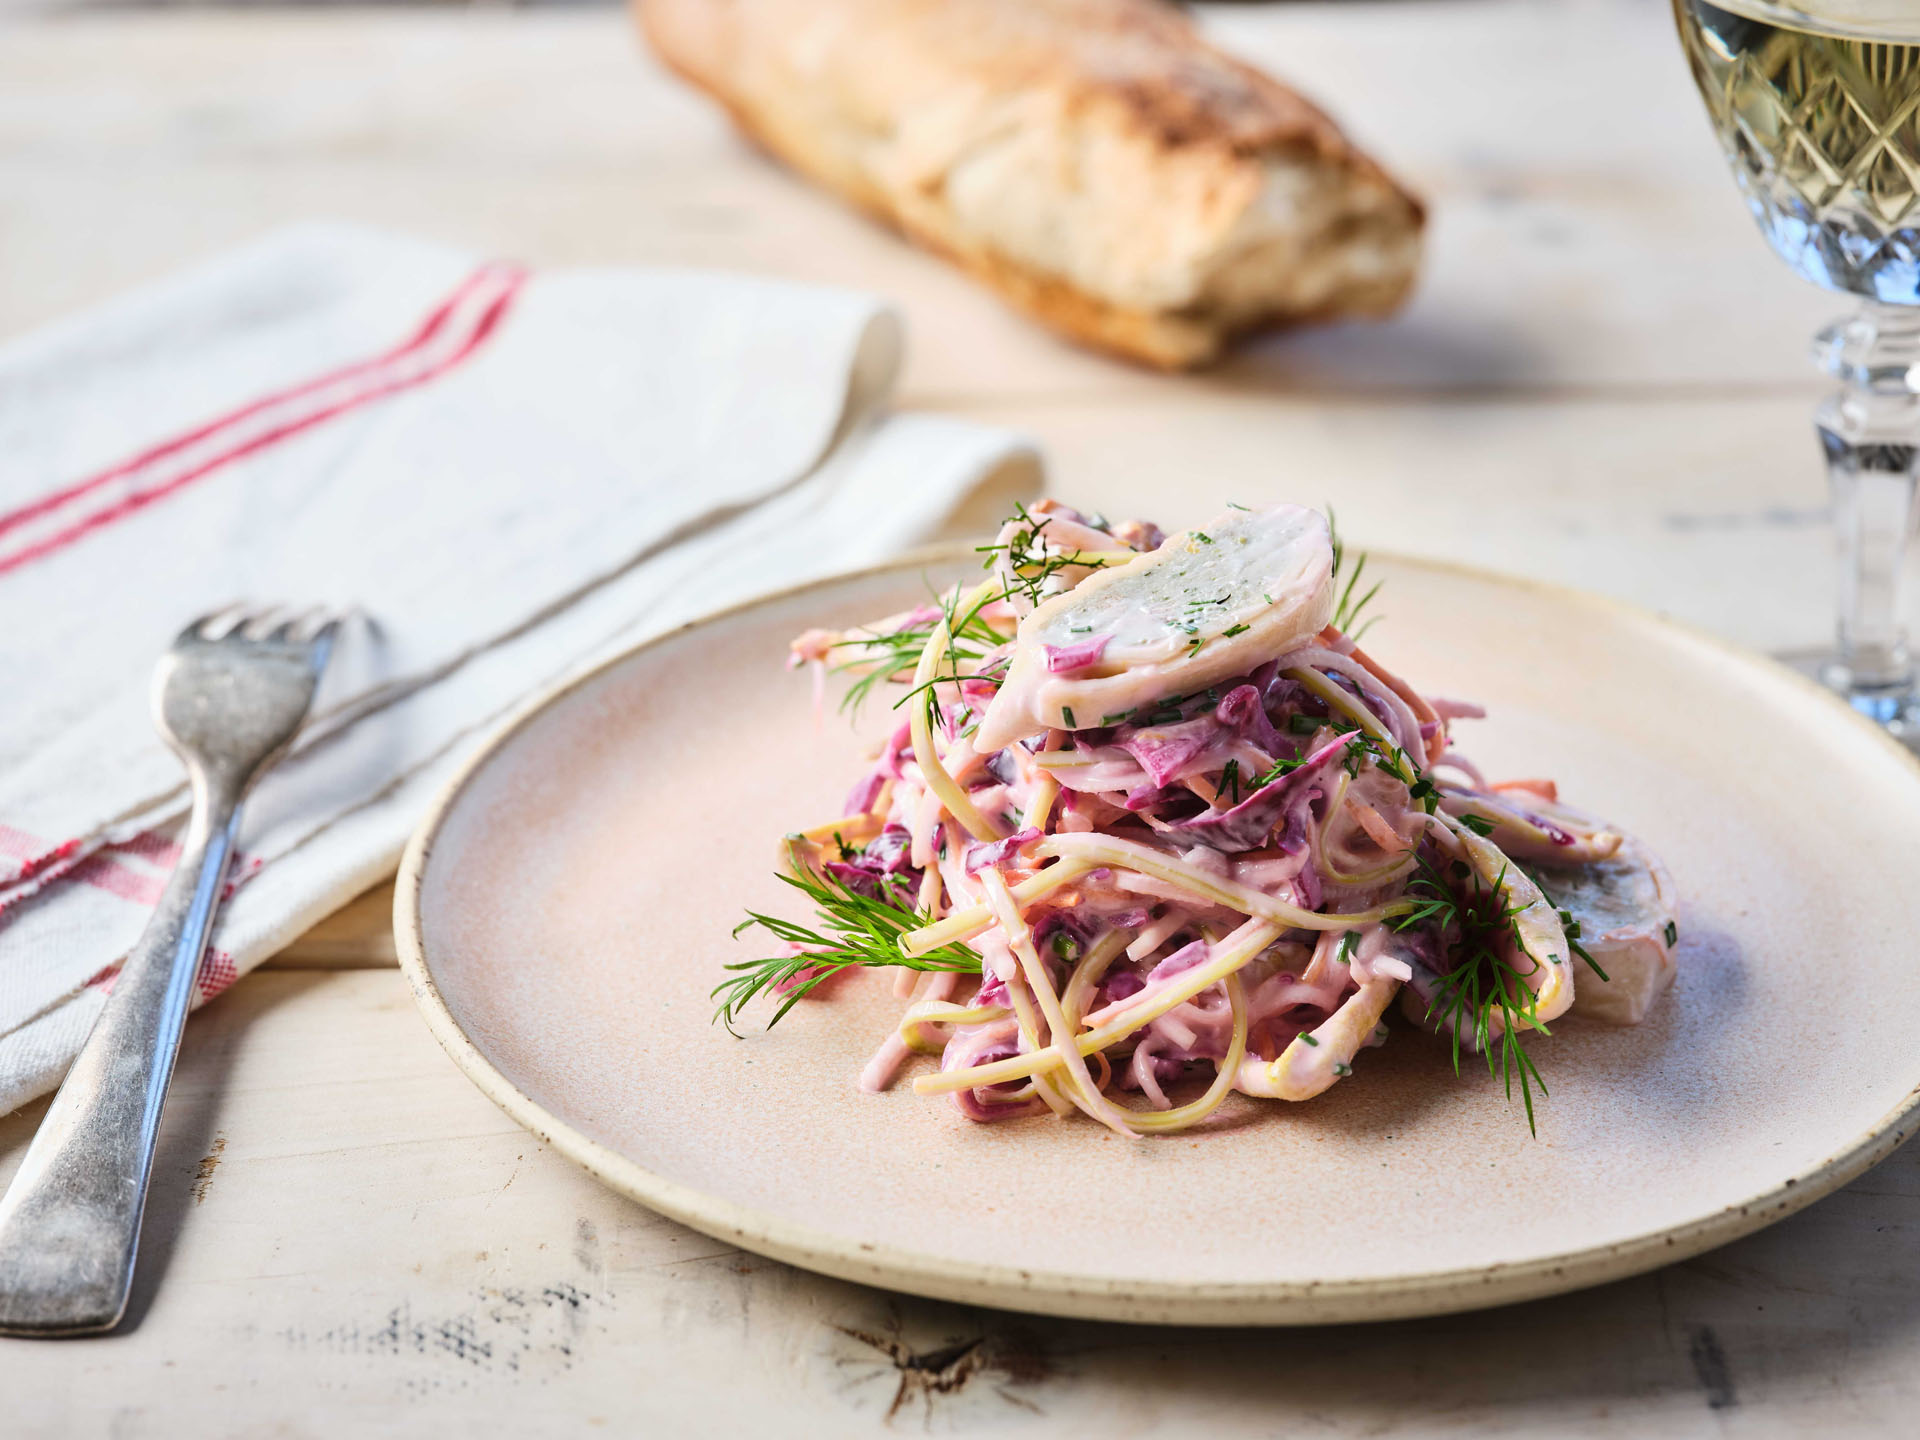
(1870, 432)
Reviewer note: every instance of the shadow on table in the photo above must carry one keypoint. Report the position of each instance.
(1424, 351)
(190, 1146)
(1797, 1311)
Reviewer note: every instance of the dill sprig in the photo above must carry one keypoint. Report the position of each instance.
(1474, 921)
(859, 930)
(972, 649)
(1029, 562)
(1420, 790)
(1346, 611)
(970, 639)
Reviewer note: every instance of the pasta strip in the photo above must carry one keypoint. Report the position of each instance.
(1095, 849)
(1020, 937)
(920, 726)
(1231, 955)
(967, 923)
(942, 1012)
(1340, 701)
(1181, 1116)
(1087, 974)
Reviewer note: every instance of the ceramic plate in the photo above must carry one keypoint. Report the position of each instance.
(566, 908)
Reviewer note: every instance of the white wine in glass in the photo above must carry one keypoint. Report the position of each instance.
(1817, 107)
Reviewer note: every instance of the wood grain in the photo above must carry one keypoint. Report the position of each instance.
(347, 1238)
(1601, 380)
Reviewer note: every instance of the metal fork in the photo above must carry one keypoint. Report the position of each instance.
(228, 698)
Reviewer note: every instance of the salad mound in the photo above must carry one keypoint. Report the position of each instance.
(1155, 828)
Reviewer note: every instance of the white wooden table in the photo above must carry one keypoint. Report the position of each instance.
(1601, 381)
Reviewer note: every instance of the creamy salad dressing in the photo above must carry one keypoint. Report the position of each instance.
(1156, 822)
(1206, 605)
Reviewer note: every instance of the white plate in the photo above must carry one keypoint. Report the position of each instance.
(566, 908)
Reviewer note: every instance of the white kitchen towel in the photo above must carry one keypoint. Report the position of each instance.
(502, 475)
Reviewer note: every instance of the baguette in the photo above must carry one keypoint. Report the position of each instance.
(1094, 161)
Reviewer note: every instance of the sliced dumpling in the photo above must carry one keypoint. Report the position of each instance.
(1530, 827)
(1624, 905)
(1205, 606)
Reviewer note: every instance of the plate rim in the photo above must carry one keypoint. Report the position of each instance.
(1308, 1302)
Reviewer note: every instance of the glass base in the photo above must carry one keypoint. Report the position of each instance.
(1895, 708)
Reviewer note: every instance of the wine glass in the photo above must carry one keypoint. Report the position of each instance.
(1817, 107)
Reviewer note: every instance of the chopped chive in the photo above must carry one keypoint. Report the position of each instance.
(1067, 711)
(1280, 767)
(1304, 724)
(1309, 1039)
(1203, 537)
(1233, 630)
(1673, 933)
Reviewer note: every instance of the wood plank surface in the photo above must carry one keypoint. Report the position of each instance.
(1601, 381)
(346, 1238)
(1584, 235)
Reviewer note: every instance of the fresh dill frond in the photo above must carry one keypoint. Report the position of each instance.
(1030, 562)
(970, 636)
(1347, 610)
(1473, 922)
(855, 930)
(1396, 762)
(883, 657)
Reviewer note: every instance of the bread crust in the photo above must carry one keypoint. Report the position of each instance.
(1095, 162)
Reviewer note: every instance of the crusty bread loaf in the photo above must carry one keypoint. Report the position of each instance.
(1095, 161)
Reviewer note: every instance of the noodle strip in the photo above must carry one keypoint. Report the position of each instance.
(920, 726)
(1232, 954)
(1095, 849)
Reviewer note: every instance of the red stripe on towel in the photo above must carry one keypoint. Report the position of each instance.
(386, 374)
(103, 872)
(431, 327)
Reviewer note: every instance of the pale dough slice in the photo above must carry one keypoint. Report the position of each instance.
(1208, 605)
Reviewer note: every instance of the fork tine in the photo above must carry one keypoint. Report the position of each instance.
(320, 642)
(213, 624)
(264, 623)
(298, 628)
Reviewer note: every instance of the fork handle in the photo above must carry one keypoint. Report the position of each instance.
(70, 1222)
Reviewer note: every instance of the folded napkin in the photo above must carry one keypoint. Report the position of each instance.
(501, 475)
